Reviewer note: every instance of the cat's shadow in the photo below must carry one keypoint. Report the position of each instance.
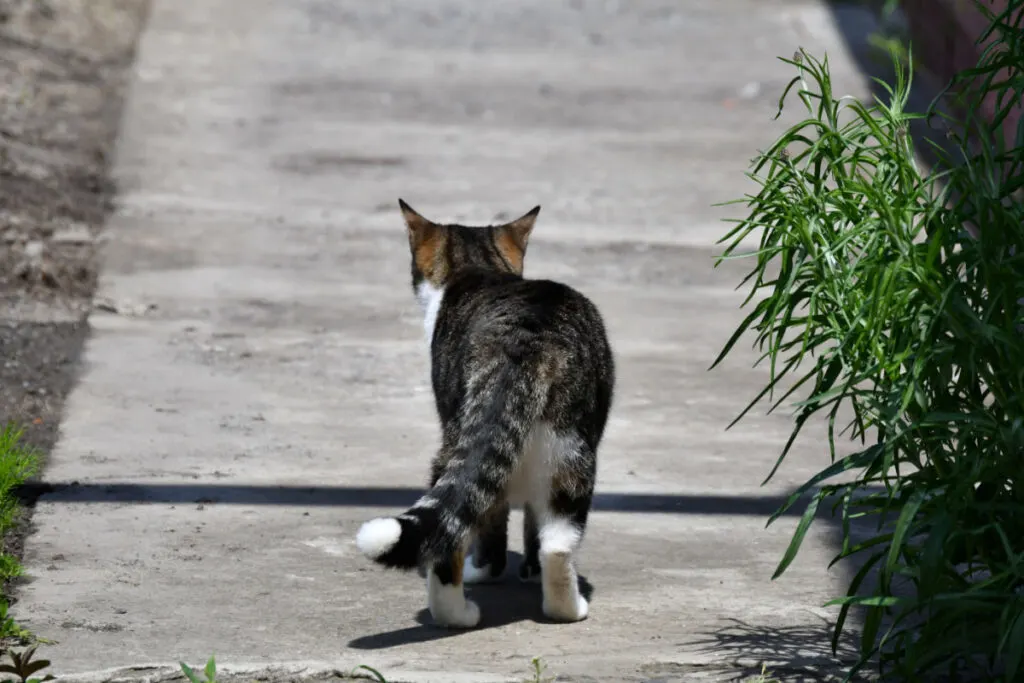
(507, 601)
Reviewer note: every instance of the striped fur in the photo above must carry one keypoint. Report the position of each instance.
(523, 377)
(477, 466)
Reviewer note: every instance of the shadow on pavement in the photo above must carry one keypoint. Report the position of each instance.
(501, 603)
(805, 650)
(371, 496)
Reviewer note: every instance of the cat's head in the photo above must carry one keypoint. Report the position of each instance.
(438, 250)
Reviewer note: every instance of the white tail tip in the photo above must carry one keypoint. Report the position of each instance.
(378, 536)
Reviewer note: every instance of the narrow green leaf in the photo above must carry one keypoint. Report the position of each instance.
(1012, 646)
(903, 524)
(855, 583)
(798, 536)
(849, 462)
(865, 601)
(189, 673)
(734, 338)
(869, 632)
(378, 676)
(800, 420)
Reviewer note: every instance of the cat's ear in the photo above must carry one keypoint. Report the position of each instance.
(420, 229)
(519, 229)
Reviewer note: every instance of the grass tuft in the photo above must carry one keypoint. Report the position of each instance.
(17, 464)
(764, 677)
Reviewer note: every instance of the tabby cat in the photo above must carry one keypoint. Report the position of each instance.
(523, 376)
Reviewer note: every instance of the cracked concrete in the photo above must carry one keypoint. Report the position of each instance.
(272, 395)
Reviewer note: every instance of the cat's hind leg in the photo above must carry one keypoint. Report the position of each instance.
(490, 548)
(560, 527)
(446, 597)
(529, 568)
(560, 535)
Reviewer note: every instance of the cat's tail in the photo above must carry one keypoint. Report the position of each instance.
(499, 413)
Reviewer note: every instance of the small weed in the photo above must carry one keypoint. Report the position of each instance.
(377, 676)
(763, 677)
(10, 568)
(9, 629)
(23, 666)
(537, 675)
(210, 671)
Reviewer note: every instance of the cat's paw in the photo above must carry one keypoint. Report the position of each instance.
(567, 608)
(473, 574)
(452, 615)
(529, 572)
(448, 604)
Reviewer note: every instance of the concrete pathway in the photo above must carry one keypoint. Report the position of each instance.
(226, 446)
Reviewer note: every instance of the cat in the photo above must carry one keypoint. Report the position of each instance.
(523, 378)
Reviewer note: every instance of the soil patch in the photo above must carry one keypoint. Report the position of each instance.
(64, 66)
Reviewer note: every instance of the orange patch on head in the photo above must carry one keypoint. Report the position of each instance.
(426, 248)
(512, 238)
(426, 240)
(510, 249)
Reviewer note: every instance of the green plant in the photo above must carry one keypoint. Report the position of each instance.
(904, 333)
(210, 672)
(763, 677)
(23, 666)
(377, 676)
(537, 674)
(9, 629)
(17, 464)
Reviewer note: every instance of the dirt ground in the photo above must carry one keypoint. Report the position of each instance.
(63, 69)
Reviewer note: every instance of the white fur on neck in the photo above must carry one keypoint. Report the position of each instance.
(430, 298)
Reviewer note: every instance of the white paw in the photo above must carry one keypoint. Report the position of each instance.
(466, 615)
(473, 574)
(448, 604)
(567, 608)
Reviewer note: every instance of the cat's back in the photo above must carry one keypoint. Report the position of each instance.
(494, 306)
